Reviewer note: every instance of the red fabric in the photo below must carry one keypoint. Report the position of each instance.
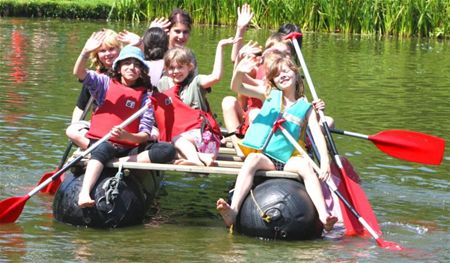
(120, 103)
(174, 117)
(353, 192)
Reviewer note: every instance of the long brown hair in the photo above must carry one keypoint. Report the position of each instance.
(273, 68)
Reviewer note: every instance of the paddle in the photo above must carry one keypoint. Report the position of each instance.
(406, 145)
(350, 188)
(11, 208)
(382, 243)
(389, 245)
(53, 186)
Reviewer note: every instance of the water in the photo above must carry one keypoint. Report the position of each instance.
(369, 85)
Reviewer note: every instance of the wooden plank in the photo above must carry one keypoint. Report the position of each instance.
(198, 169)
(231, 164)
(229, 158)
(223, 150)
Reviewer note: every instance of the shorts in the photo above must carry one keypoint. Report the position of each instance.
(279, 166)
(206, 142)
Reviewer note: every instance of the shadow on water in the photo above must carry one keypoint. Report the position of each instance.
(369, 85)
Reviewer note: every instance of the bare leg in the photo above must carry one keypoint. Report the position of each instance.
(76, 133)
(313, 188)
(140, 158)
(244, 181)
(232, 117)
(188, 150)
(93, 170)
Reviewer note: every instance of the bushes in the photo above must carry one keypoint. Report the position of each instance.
(62, 9)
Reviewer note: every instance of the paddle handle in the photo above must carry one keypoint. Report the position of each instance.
(88, 150)
(348, 133)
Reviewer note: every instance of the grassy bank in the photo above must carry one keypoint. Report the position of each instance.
(79, 9)
(422, 18)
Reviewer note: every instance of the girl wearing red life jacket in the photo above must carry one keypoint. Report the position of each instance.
(181, 110)
(118, 97)
(102, 60)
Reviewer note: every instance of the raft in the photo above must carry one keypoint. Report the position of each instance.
(277, 194)
(122, 198)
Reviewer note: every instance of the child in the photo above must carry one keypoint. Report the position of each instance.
(182, 110)
(118, 97)
(282, 97)
(102, 59)
(239, 112)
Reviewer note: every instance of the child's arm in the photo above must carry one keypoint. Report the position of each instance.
(93, 43)
(319, 140)
(244, 17)
(209, 80)
(245, 66)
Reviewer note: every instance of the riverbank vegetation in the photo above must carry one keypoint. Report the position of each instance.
(75, 9)
(404, 18)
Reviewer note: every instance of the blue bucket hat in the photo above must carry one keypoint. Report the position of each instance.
(130, 52)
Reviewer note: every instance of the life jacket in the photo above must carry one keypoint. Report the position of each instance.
(174, 117)
(260, 136)
(119, 104)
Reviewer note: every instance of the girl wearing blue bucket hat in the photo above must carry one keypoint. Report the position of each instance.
(118, 96)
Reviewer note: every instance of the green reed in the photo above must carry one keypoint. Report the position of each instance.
(423, 18)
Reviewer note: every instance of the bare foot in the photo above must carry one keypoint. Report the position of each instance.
(84, 200)
(329, 223)
(228, 215)
(206, 158)
(187, 162)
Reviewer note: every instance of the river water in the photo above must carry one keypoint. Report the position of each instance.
(369, 85)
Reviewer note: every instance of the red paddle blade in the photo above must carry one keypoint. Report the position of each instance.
(353, 192)
(11, 208)
(388, 244)
(53, 186)
(410, 146)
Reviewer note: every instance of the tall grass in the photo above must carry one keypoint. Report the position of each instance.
(423, 18)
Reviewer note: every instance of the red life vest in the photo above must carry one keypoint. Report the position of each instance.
(174, 117)
(120, 103)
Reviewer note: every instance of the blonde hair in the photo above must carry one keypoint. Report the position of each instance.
(180, 55)
(273, 67)
(110, 41)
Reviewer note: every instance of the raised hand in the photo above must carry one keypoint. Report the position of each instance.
(94, 42)
(129, 38)
(161, 22)
(228, 41)
(252, 48)
(245, 15)
(247, 64)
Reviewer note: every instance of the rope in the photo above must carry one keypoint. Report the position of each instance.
(263, 215)
(111, 186)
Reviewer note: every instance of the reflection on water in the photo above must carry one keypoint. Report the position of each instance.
(369, 86)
